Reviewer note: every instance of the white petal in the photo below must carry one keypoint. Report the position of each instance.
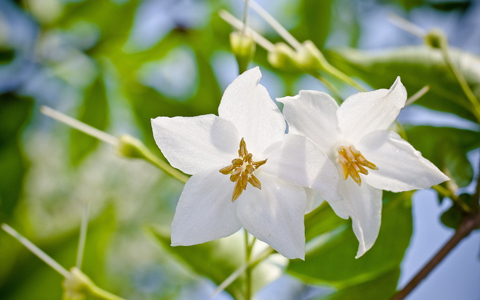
(363, 113)
(298, 160)
(194, 144)
(314, 115)
(400, 166)
(275, 215)
(364, 205)
(205, 211)
(314, 200)
(247, 105)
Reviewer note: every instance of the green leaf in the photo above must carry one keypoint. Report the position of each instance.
(217, 260)
(446, 148)
(315, 21)
(382, 287)
(6, 56)
(114, 19)
(93, 112)
(331, 259)
(417, 67)
(14, 113)
(452, 217)
(409, 4)
(149, 103)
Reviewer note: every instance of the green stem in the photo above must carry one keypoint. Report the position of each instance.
(340, 75)
(80, 284)
(443, 191)
(102, 294)
(35, 250)
(83, 234)
(131, 147)
(449, 194)
(335, 72)
(248, 269)
(461, 80)
(252, 264)
(329, 86)
(245, 17)
(150, 157)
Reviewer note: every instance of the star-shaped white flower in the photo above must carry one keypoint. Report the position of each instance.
(246, 171)
(369, 157)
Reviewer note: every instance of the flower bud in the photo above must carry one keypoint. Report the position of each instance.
(436, 39)
(283, 57)
(131, 147)
(310, 58)
(243, 46)
(76, 285)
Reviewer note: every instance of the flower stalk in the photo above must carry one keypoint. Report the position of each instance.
(76, 283)
(252, 264)
(248, 270)
(83, 234)
(35, 250)
(243, 44)
(131, 147)
(417, 95)
(436, 39)
(80, 126)
(125, 145)
(304, 57)
(460, 78)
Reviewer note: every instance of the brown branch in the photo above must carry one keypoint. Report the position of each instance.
(468, 224)
(476, 196)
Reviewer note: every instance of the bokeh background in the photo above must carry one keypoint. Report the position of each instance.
(115, 64)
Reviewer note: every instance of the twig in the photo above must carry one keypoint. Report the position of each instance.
(476, 196)
(468, 224)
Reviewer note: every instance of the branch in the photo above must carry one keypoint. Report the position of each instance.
(468, 224)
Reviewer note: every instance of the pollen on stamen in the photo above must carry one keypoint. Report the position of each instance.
(353, 162)
(241, 171)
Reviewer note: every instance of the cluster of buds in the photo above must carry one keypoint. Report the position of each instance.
(290, 56)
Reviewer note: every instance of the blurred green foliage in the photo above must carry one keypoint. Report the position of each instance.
(85, 59)
(418, 67)
(330, 256)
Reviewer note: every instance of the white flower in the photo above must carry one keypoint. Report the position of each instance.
(369, 157)
(246, 170)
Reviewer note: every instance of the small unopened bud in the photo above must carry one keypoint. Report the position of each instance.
(243, 46)
(76, 285)
(283, 57)
(310, 58)
(130, 147)
(436, 39)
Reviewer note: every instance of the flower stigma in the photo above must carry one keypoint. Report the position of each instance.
(353, 163)
(241, 171)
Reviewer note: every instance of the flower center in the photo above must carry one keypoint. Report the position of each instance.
(353, 163)
(241, 171)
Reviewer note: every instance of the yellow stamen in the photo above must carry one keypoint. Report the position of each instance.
(241, 171)
(353, 163)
